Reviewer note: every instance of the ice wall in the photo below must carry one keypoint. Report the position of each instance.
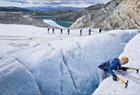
(109, 87)
(15, 79)
(69, 67)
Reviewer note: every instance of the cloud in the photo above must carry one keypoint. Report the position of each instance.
(27, 3)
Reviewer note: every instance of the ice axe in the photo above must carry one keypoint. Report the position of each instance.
(123, 82)
(137, 70)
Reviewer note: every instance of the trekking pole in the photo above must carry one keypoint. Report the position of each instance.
(123, 81)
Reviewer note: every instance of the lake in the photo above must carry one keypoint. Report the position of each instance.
(62, 23)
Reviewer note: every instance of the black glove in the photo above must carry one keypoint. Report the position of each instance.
(124, 68)
(115, 78)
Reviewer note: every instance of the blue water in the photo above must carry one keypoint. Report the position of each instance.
(62, 23)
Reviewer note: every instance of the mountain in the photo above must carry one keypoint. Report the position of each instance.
(20, 18)
(49, 8)
(14, 9)
(63, 13)
(95, 7)
(122, 14)
(15, 15)
(59, 15)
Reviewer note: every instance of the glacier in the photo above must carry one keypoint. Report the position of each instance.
(109, 87)
(45, 64)
(15, 79)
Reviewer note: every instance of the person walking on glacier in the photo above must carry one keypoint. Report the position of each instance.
(105, 69)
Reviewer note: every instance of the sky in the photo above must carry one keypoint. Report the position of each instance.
(53, 3)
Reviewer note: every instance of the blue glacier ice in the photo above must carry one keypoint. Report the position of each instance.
(33, 62)
(69, 66)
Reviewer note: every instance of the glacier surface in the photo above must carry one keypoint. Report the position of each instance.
(46, 64)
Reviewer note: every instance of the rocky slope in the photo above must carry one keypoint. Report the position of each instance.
(68, 14)
(115, 14)
(20, 18)
(73, 15)
(14, 15)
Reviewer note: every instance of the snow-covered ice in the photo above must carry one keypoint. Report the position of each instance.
(15, 79)
(109, 87)
(57, 64)
(53, 23)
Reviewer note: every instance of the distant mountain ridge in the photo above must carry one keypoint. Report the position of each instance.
(117, 14)
(17, 15)
(14, 9)
(49, 8)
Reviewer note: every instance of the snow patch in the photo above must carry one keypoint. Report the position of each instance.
(53, 23)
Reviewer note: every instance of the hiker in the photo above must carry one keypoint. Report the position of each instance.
(100, 30)
(53, 30)
(61, 30)
(81, 31)
(105, 69)
(89, 32)
(48, 30)
(68, 31)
